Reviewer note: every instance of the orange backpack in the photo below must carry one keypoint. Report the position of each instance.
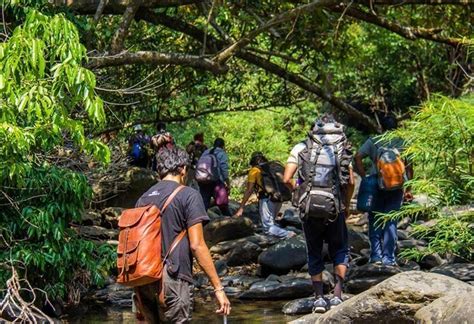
(391, 169)
(139, 250)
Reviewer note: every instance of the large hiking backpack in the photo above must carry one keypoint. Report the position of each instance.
(324, 168)
(207, 168)
(139, 259)
(390, 168)
(272, 181)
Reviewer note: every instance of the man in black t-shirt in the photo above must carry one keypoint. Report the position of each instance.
(186, 212)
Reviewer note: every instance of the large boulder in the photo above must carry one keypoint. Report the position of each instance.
(96, 232)
(460, 271)
(448, 309)
(361, 278)
(279, 288)
(287, 255)
(245, 253)
(396, 300)
(228, 228)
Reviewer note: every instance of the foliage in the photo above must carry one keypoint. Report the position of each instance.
(440, 143)
(46, 97)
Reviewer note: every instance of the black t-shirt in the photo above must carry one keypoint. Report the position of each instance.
(187, 209)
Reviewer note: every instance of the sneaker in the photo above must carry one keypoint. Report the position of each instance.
(391, 264)
(320, 305)
(377, 262)
(333, 302)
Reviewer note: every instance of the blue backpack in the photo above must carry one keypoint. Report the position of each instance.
(137, 150)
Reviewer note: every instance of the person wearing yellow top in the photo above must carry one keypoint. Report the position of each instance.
(268, 209)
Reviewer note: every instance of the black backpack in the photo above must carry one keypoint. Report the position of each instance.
(272, 181)
(324, 168)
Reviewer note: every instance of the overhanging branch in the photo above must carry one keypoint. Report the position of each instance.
(411, 33)
(156, 58)
(194, 115)
(224, 55)
(194, 32)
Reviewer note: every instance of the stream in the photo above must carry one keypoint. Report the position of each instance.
(242, 312)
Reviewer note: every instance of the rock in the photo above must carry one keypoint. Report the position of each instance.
(261, 240)
(404, 223)
(213, 215)
(287, 255)
(228, 228)
(110, 217)
(307, 319)
(291, 218)
(269, 289)
(411, 243)
(115, 294)
(233, 291)
(245, 253)
(431, 261)
(363, 277)
(305, 305)
(460, 271)
(90, 218)
(397, 299)
(457, 308)
(200, 280)
(221, 267)
(139, 180)
(97, 232)
(357, 240)
(244, 281)
(402, 235)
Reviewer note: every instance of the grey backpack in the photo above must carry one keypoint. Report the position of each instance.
(323, 168)
(207, 168)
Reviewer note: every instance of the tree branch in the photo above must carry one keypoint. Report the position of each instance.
(194, 115)
(156, 58)
(121, 33)
(88, 7)
(413, 2)
(194, 32)
(224, 55)
(411, 33)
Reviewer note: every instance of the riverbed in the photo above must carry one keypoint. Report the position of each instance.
(242, 312)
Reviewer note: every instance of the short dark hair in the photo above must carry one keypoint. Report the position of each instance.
(171, 160)
(199, 137)
(219, 142)
(257, 158)
(388, 122)
(161, 127)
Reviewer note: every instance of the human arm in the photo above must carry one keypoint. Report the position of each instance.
(408, 196)
(290, 170)
(247, 194)
(359, 165)
(203, 257)
(349, 192)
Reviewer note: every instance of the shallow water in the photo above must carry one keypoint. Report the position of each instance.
(242, 312)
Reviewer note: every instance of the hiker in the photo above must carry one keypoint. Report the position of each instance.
(138, 144)
(163, 138)
(212, 175)
(388, 173)
(322, 194)
(267, 208)
(195, 150)
(185, 212)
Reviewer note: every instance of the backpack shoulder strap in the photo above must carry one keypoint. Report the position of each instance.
(182, 234)
(171, 197)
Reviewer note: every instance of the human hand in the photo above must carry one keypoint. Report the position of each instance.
(239, 212)
(224, 303)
